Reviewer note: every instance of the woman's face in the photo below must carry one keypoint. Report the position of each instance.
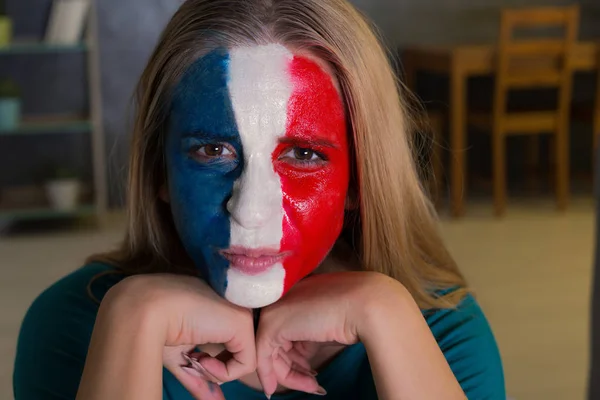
(258, 169)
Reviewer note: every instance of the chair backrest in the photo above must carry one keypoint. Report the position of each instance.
(596, 109)
(536, 62)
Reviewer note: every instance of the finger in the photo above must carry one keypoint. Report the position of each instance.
(296, 361)
(266, 351)
(196, 383)
(242, 361)
(266, 375)
(308, 349)
(294, 357)
(211, 348)
(193, 362)
(294, 379)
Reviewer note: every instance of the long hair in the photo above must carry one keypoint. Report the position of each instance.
(394, 227)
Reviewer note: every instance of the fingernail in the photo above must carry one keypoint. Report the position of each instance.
(320, 391)
(194, 365)
(309, 372)
(194, 372)
(199, 374)
(268, 396)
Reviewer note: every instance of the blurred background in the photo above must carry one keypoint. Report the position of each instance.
(508, 100)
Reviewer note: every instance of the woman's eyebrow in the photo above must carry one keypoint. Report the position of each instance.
(211, 136)
(303, 141)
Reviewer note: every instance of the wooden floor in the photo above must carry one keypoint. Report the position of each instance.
(531, 272)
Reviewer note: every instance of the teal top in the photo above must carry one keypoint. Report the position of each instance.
(56, 332)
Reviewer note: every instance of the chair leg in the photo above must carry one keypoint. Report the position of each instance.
(552, 162)
(533, 161)
(595, 142)
(596, 132)
(499, 172)
(596, 122)
(562, 170)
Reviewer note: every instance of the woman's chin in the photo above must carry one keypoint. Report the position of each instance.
(252, 304)
(256, 290)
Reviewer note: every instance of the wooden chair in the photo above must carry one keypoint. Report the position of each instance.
(591, 113)
(531, 64)
(596, 114)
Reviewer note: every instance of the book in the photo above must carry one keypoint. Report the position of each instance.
(67, 21)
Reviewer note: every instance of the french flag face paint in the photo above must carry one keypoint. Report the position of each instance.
(258, 169)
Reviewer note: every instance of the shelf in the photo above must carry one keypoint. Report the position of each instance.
(45, 213)
(31, 47)
(47, 127)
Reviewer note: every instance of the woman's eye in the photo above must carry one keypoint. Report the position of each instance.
(213, 150)
(302, 154)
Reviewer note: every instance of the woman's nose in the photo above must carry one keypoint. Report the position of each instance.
(256, 195)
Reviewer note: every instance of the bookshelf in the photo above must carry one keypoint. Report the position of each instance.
(32, 128)
(37, 47)
(38, 213)
(50, 126)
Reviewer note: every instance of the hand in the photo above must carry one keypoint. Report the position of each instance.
(318, 310)
(188, 313)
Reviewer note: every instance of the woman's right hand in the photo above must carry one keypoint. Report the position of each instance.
(187, 313)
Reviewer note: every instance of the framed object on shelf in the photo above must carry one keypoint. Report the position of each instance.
(6, 26)
(10, 106)
(67, 21)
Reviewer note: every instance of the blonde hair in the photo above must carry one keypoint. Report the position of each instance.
(395, 226)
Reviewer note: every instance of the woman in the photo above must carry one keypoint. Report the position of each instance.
(267, 133)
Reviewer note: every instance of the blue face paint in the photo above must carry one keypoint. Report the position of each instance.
(202, 115)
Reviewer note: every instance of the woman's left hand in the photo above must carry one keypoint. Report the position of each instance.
(321, 309)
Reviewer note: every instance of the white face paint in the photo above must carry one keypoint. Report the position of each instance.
(259, 88)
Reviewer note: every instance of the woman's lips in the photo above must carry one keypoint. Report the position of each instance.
(252, 261)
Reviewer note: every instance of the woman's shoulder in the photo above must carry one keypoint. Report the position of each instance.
(82, 289)
(466, 315)
(73, 300)
(57, 328)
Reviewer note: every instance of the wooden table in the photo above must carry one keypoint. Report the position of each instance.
(460, 63)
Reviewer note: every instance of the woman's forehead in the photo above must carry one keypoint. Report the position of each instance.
(257, 86)
(255, 56)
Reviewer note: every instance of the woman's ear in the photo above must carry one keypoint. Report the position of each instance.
(163, 193)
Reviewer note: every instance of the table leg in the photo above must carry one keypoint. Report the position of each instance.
(596, 112)
(458, 100)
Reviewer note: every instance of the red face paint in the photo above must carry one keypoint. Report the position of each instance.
(314, 193)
